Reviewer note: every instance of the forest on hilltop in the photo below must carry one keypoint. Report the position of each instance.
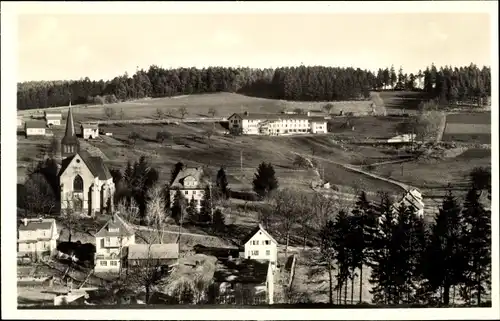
(304, 83)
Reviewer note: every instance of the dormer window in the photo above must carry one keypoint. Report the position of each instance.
(113, 229)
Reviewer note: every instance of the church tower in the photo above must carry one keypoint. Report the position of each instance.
(69, 143)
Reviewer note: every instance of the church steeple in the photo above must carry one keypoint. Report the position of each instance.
(69, 143)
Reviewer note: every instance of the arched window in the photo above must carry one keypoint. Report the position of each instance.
(78, 184)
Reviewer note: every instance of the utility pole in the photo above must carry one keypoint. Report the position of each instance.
(211, 204)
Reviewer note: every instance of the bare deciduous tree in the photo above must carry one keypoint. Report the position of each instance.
(212, 111)
(109, 112)
(38, 195)
(156, 216)
(286, 204)
(183, 112)
(159, 113)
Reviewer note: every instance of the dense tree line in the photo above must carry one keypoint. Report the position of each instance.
(305, 83)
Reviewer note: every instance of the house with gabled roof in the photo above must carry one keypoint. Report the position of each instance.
(189, 182)
(35, 128)
(161, 254)
(52, 118)
(37, 238)
(260, 245)
(111, 243)
(414, 199)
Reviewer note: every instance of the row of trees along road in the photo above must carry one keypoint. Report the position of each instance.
(304, 83)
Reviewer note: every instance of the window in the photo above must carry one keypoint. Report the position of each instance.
(107, 240)
(194, 192)
(267, 242)
(103, 263)
(255, 242)
(78, 184)
(186, 192)
(268, 252)
(114, 263)
(255, 252)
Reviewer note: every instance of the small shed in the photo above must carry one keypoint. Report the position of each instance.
(52, 118)
(160, 254)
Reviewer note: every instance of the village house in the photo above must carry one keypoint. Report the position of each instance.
(111, 243)
(403, 138)
(260, 245)
(35, 128)
(160, 255)
(276, 124)
(86, 184)
(412, 198)
(189, 182)
(52, 118)
(243, 281)
(37, 238)
(89, 131)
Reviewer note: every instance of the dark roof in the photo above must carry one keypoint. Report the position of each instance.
(35, 124)
(69, 134)
(116, 221)
(94, 163)
(87, 125)
(254, 231)
(242, 271)
(317, 119)
(196, 173)
(37, 224)
(153, 251)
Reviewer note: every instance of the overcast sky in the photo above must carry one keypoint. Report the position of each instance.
(103, 46)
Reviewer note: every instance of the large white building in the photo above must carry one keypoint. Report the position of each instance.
(189, 182)
(37, 238)
(111, 243)
(260, 245)
(276, 124)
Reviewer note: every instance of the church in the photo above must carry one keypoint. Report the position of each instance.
(85, 182)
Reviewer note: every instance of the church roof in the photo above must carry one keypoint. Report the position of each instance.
(95, 165)
(69, 134)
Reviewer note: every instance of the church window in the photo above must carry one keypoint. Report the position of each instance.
(78, 184)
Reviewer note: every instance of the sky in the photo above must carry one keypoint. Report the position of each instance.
(64, 46)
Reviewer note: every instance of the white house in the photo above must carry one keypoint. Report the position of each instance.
(90, 131)
(276, 124)
(318, 125)
(189, 182)
(260, 245)
(111, 243)
(52, 118)
(412, 198)
(35, 128)
(404, 138)
(37, 238)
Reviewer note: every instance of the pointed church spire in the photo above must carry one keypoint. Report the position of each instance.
(70, 127)
(69, 143)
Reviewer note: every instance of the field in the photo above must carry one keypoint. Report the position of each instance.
(469, 128)
(198, 106)
(396, 101)
(379, 127)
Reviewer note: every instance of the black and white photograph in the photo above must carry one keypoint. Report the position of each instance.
(212, 158)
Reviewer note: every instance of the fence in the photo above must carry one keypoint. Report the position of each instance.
(158, 121)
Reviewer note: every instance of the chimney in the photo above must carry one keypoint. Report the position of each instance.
(25, 221)
(246, 113)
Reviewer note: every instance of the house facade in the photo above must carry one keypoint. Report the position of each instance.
(111, 243)
(52, 119)
(260, 245)
(35, 128)
(189, 182)
(414, 199)
(90, 131)
(275, 124)
(37, 238)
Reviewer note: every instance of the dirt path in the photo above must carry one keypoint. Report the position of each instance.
(359, 170)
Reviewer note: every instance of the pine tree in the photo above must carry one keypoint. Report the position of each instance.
(381, 261)
(476, 239)
(445, 260)
(219, 221)
(342, 252)
(205, 214)
(393, 77)
(191, 210)
(222, 183)
(265, 180)
(362, 229)
(178, 206)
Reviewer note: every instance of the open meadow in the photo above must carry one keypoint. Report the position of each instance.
(468, 128)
